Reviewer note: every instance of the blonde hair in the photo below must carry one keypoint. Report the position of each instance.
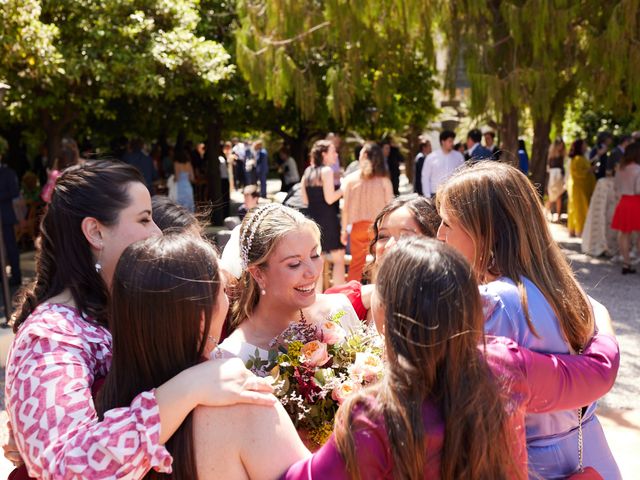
(501, 211)
(557, 149)
(260, 233)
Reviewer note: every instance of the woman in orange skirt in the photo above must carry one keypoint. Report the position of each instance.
(626, 218)
(366, 192)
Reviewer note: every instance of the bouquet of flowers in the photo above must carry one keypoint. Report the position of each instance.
(317, 366)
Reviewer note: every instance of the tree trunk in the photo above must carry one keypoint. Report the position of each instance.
(508, 131)
(53, 141)
(541, 141)
(15, 156)
(181, 139)
(214, 181)
(54, 129)
(413, 143)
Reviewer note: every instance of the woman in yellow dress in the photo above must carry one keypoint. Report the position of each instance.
(579, 187)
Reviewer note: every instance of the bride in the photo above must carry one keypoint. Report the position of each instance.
(281, 262)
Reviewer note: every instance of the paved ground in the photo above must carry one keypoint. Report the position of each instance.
(620, 409)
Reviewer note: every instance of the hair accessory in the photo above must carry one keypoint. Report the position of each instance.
(249, 232)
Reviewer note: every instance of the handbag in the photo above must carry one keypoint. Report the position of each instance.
(588, 473)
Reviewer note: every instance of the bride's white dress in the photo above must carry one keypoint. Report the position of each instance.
(329, 306)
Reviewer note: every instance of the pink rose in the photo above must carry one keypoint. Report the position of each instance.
(332, 333)
(314, 354)
(344, 390)
(366, 368)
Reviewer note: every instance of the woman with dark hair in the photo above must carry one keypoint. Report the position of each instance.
(366, 192)
(63, 344)
(626, 218)
(168, 297)
(172, 217)
(580, 185)
(492, 214)
(321, 197)
(403, 216)
(451, 403)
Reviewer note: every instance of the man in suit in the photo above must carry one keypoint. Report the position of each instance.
(9, 190)
(475, 150)
(616, 155)
(489, 143)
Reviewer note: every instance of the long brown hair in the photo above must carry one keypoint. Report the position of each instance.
(501, 211)
(318, 150)
(260, 232)
(373, 165)
(423, 210)
(433, 326)
(631, 154)
(63, 258)
(163, 289)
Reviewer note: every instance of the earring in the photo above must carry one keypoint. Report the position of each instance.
(492, 261)
(263, 292)
(98, 266)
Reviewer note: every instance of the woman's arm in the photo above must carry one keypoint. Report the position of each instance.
(192, 177)
(331, 195)
(303, 189)
(562, 382)
(388, 191)
(56, 427)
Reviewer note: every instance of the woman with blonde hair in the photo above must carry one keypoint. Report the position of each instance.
(366, 192)
(281, 263)
(322, 198)
(493, 216)
(451, 402)
(555, 185)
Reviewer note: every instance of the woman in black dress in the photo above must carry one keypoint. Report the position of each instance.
(319, 193)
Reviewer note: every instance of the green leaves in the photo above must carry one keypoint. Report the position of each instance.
(80, 54)
(336, 54)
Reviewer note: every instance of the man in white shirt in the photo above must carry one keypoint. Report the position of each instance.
(439, 165)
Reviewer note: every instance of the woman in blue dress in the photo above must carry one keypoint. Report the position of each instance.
(492, 214)
(184, 177)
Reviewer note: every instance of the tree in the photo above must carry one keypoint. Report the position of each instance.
(65, 59)
(479, 30)
(531, 53)
(338, 59)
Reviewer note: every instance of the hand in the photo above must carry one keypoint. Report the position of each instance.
(227, 382)
(344, 237)
(11, 452)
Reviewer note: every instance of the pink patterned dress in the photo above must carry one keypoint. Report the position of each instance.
(53, 362)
